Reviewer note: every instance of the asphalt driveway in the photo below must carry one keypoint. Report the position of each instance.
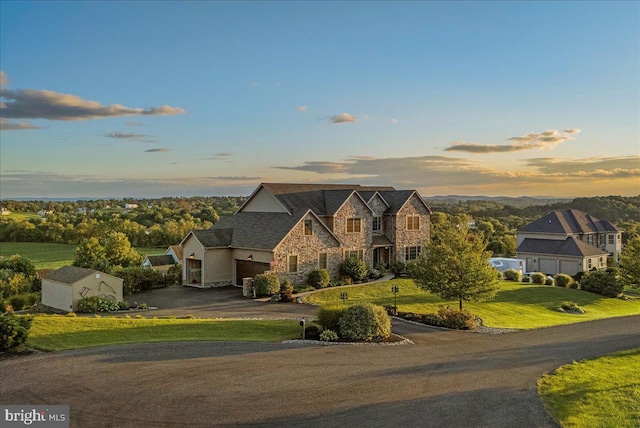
(447, 379)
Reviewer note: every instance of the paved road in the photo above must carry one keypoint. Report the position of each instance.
(447, 379)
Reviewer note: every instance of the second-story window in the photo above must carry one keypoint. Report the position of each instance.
(413, 222)
(308, 227)
(354, 225)
(611, 239)
(377, 224)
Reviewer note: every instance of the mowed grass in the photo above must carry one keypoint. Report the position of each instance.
(604, 392)
(56, 333)
(22, 216)
(517, 305)
(52, 256)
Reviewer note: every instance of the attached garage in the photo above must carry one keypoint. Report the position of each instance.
(249, 269)
(548, 266)
(570, 267)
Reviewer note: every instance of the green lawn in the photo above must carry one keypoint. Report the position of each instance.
(21, 216)
(52, 256)
(604, 392)
(522, 306)
(55, 333)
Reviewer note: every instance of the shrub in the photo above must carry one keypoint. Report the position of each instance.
(329, 336)
(123, 305)
(563, 280)
(302, 289)
(329, 317)
(138, 279)
(312, 332)
(512, 275)
(18, 302)
(319, 278)
(286, 297)
(354, 268)
(13, 330)
(459, 320)
(433, 319)
(538, 278)
(398, 267)
(602, 282)
(144, 306)
(286, 286)
(526, 279)
(571, 307)
(174, 274)
(94, 304)
(365, 321)
(548, 281)
(578, 276)
(266, 284)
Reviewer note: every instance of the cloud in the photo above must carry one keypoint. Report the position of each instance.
(533, 140)
(233, 178)
(301, 108)
(133, 124)
(6, 125)
(393, 120)
(43, 104)
(342, 118)
(220, 156)
(4, 79)
(621, 166)
(160, 150)
(131, 136)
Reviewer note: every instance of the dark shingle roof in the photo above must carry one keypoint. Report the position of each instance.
(70, 274)
(212, 238)
(567, 247)
(569, 222)
(161, 260)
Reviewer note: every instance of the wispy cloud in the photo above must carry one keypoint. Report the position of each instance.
(43, 104)
(160, 150)
(342, 118)
(220, 156)
(131, 136)
(393, 120)
(7, 125)
(133, 124)
(4, 79)
(301, 108)
(533, 140)
(622, 166)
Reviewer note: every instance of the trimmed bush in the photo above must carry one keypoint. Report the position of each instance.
(13, 330)
(18, 302)
(571, 307)
(538, 278)
(94, 304)
(312, 332)
(563, 280)
(512, 275)
(602, 282)
(458, 320)
(548, 281)
(319, 278)
(138, 279)
(329, 336)
(365, 321)
(354, 268)
(266, 284)
(398, 267)
(286, 286)
(123, 305)
(526, 279)
(329, 317)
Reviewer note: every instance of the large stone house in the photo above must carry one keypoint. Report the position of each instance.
(568, 242)
(292, 229)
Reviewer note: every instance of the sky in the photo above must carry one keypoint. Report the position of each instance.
(148, 99)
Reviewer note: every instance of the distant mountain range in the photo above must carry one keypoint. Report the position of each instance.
(522, 201)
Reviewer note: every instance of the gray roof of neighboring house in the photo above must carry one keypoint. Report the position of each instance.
(161, 260)
(569, 222)
(214, 237)
(567, 247)
(70, 274)
(177, 250)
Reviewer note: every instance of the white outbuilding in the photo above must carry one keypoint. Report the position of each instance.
(64, 288)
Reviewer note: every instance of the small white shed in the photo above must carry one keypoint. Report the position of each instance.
(64, 288)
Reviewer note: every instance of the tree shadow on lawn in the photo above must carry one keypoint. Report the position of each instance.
(546, 296)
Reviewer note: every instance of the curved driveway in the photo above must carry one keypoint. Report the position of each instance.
(447, 379)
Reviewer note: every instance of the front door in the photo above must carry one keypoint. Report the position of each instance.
(381, 255)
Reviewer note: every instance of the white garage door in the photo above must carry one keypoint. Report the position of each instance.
(548, 266)
(569, 267)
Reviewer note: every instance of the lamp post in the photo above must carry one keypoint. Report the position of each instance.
(394, 290)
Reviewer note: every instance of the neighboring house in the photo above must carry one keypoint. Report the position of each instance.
(568, 242)
(5, 211)
(130, 206)
(292, 229)
(63, 288)
(163, 263)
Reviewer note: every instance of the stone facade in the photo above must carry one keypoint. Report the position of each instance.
(355, 208)
(410, 238)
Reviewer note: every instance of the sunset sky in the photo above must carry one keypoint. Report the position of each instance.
(149, 99)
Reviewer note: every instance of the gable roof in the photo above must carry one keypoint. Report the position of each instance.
(567, 247)
(163, 260)
(397, 199)
(177, 250)
(71, 274)
(569, 222)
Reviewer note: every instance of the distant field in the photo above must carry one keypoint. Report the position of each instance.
(52, 256)
(21, 216)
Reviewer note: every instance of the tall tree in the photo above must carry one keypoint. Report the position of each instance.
(454, 265)
(630, 263)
